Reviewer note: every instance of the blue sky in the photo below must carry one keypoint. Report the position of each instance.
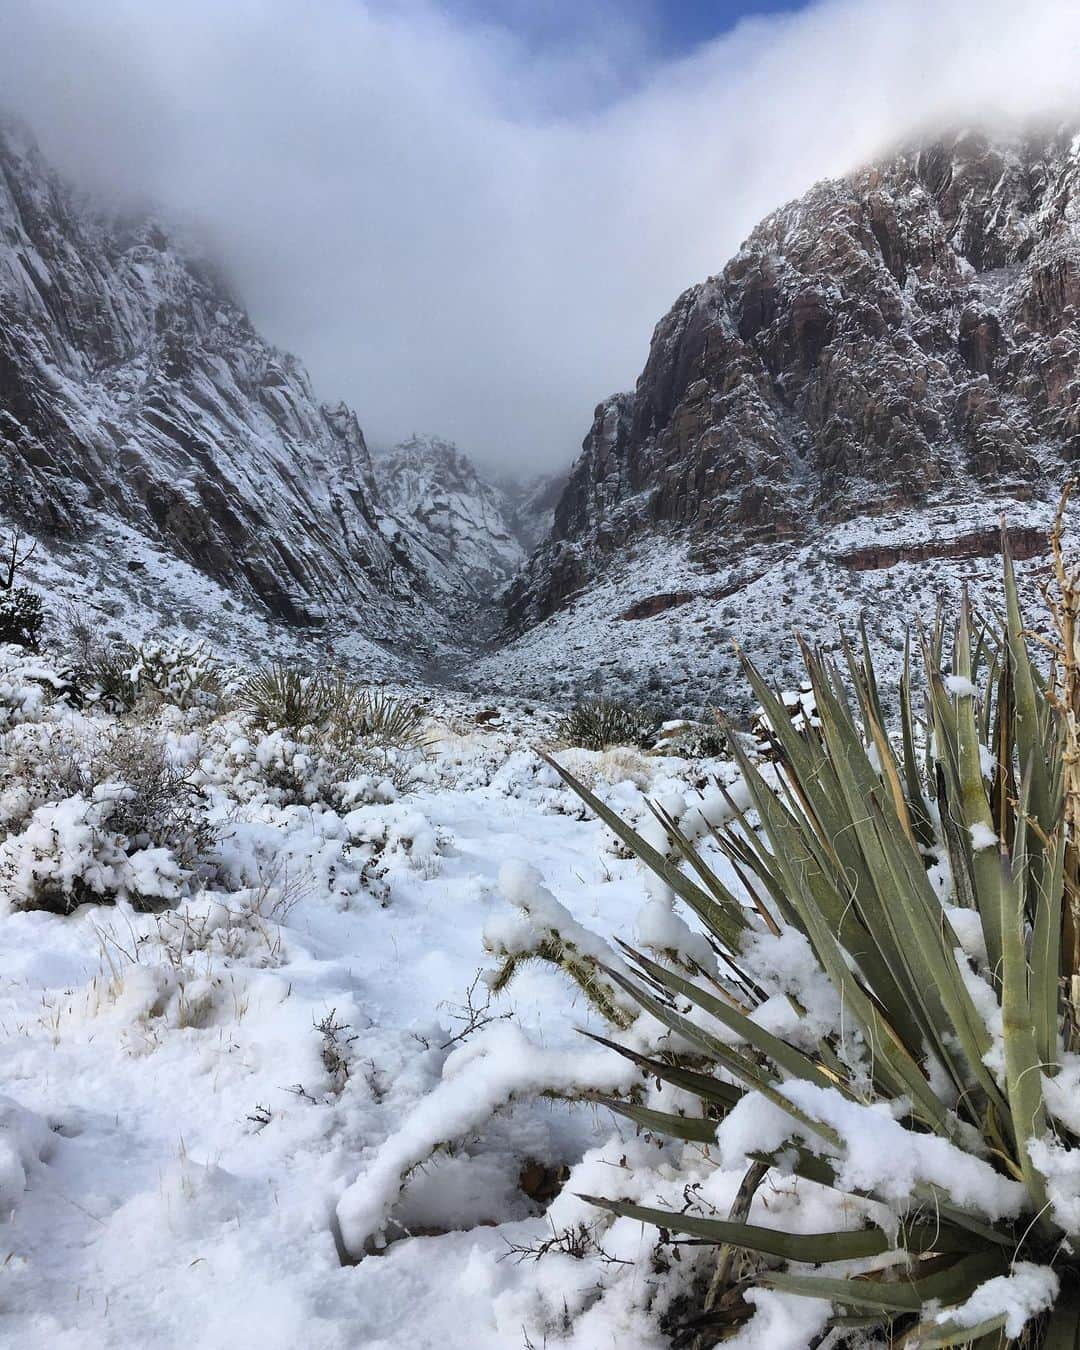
(682, 24)
(672, 27)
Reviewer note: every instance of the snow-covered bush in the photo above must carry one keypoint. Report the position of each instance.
(105, 677)
(159, 805)
(22, 696)
(69, 854)
(249, 765)
(183, 674)
(594, 724)
(693, 740)
(94, 812)
(343, 733)
(118, 676)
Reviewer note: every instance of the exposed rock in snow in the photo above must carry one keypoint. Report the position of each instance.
(534, 504)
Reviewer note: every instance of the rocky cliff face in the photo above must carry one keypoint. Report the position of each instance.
(134, 388)
(533, 504)
(454, 528)
(903, 336)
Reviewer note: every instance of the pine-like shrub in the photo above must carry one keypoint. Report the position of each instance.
(594, 724)
(21, 617)
(934, 876)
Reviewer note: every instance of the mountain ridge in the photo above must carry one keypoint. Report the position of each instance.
(896, 351)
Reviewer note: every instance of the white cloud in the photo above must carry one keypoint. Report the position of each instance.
(459, 235)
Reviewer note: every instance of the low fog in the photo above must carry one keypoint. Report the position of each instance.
(460, 235)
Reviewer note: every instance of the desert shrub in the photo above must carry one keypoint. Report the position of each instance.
(694, 740)
(23, 693)
(594, 724)
(77, 633)
(183, 674)
(40, 762)
(96, 815)
(281, 696)
(21, 617)
(157, 807)
(931, 880)
(389, 721)
(120, 675)
(369, 718)
(104, 676)
(335, 731)
(68, 855)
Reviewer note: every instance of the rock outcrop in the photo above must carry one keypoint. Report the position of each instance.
(449, 524)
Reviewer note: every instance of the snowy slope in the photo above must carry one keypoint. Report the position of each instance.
(660, 624)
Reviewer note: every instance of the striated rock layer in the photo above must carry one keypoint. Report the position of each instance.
(905, 335)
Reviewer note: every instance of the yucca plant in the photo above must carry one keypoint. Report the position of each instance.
(869, 847)
(388, 721)
(281, 696)
(596, 723)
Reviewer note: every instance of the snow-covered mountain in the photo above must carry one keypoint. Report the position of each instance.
(840, 415)
(533, 507)
(458, 531)
(137, 401)
(904, 335)
(150, 433)
(889, 362)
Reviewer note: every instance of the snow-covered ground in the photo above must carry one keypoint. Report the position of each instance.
(189, 1095)
(680, 660)
(606, 639)
(286, 1059)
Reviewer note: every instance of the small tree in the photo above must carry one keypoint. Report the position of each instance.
(21, 612)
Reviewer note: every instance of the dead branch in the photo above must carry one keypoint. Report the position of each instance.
(13, 561)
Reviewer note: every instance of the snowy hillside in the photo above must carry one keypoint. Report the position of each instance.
(899, 339)
(134, 393)
(661, 624)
